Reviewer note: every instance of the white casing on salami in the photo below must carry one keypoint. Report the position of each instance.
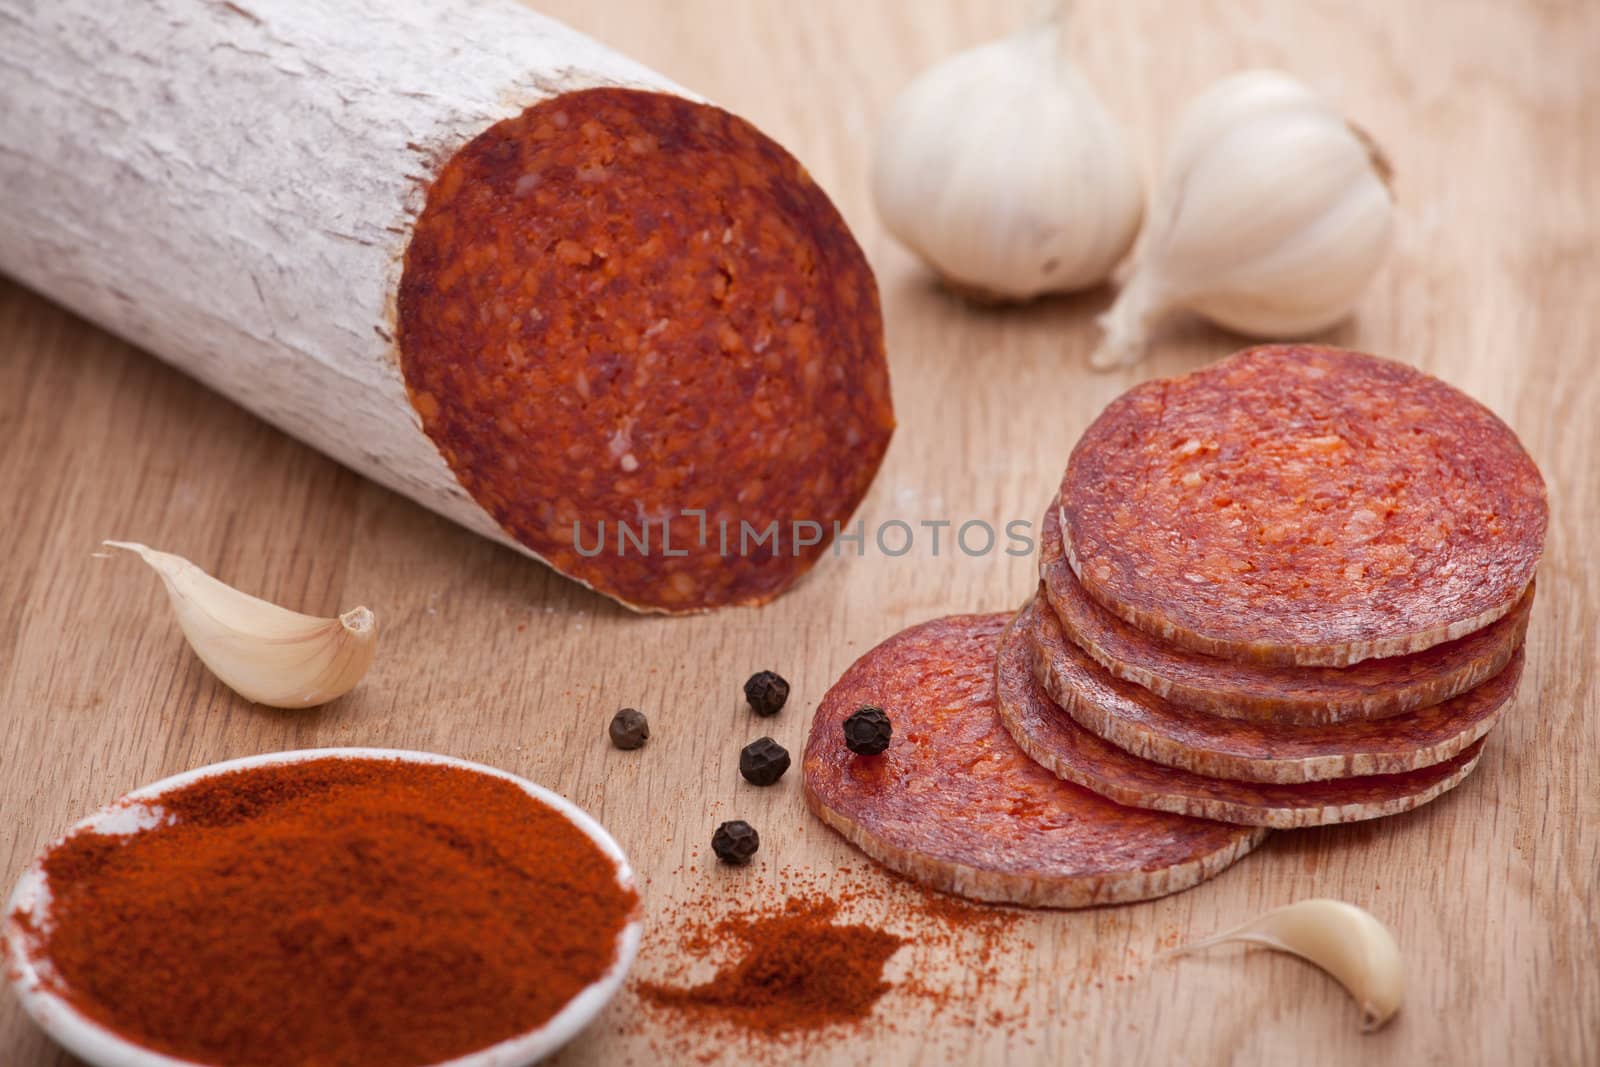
(231, 184)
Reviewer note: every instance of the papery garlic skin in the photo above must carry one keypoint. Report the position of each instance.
(263, 652)
(1346, 941)
(1272, 216)
(1001, 168)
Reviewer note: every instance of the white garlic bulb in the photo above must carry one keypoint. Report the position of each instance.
(1003, 171)
(1272, 216)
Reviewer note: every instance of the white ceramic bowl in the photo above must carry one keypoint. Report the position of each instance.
(103, 1047)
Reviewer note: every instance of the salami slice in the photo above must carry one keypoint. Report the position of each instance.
(1270, 693)
(647, 344)
(1051, 736)
(1145, 725)
(955, 805)
(1303, 504)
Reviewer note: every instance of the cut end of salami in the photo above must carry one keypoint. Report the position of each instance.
(1299, 504)
(1034, 716)
(646, 343)
(954, 804)
(1273, 694)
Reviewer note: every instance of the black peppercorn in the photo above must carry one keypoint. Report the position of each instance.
(763, 761)
(767, 692)
(867, 731)
(735, 842)
(629, 728)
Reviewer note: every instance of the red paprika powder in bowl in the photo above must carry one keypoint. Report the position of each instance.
(329, 907)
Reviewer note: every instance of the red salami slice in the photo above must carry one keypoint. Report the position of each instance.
(1302, 504)
(1051, 736)
(955, 805)
(1268, 693)
(646, 343)
(1142, 723)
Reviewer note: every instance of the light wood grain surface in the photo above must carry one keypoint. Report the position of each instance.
(1491, 114)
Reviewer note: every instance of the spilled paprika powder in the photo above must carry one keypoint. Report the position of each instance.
(332, 912)
(802, 956)
(799, 969)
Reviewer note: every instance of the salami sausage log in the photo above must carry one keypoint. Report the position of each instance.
(1050, 736)
(1304, 505)
(472, 254)
(1145, 725)
(955, 805)
(1268, 693)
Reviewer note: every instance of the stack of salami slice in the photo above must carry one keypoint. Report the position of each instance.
(1287, 590)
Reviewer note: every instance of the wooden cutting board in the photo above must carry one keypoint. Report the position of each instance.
(1489, 113)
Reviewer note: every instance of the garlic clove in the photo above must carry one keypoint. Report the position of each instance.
(1002, 170)
(261, 651)
(1346, 941)
(1272, 216)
